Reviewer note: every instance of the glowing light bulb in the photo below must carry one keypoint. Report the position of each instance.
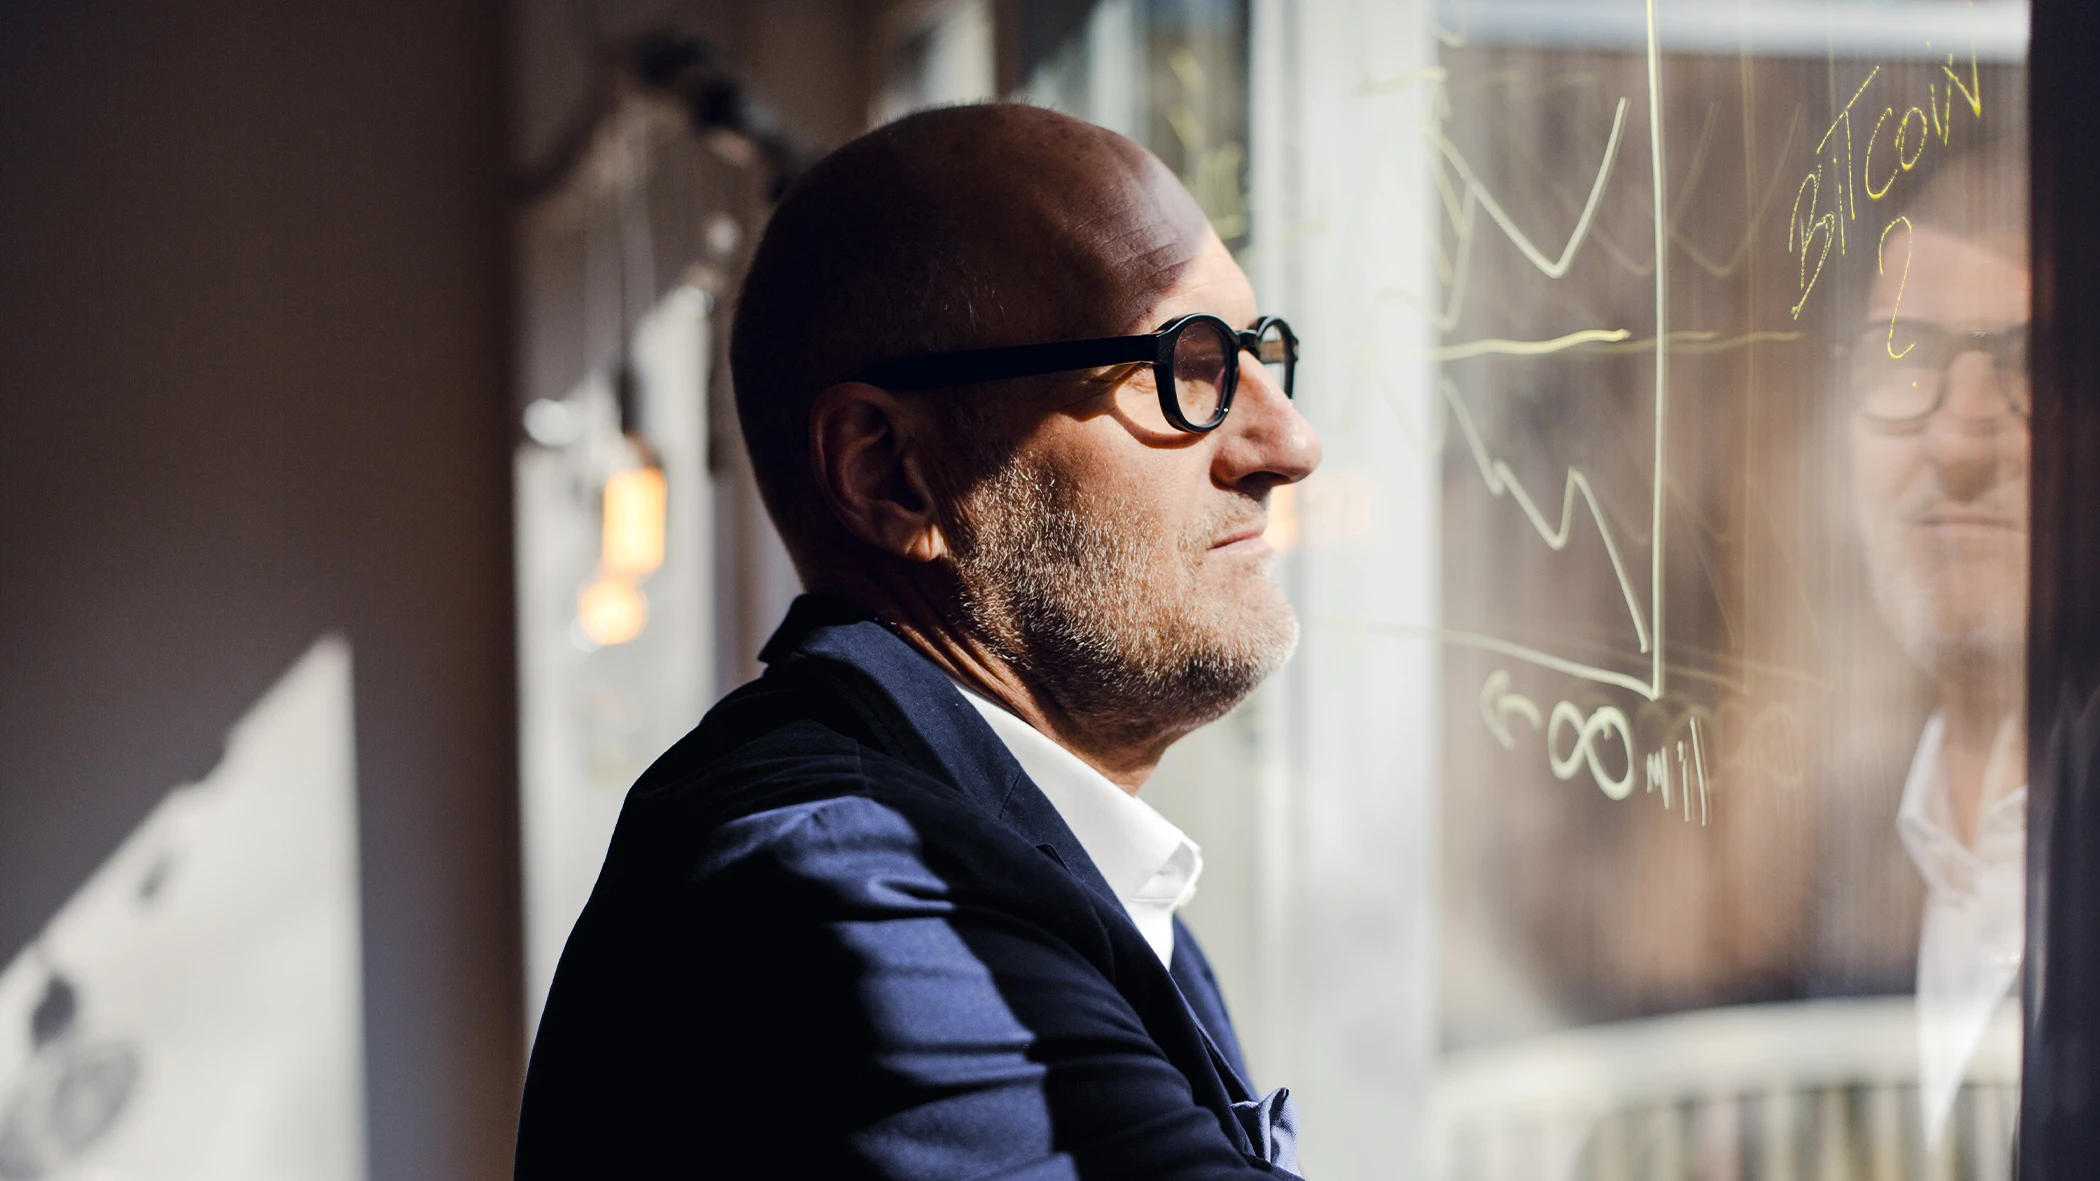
(633, 544)
(612, 610)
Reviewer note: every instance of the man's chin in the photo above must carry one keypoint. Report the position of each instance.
(1258, 628)
(1961, 639)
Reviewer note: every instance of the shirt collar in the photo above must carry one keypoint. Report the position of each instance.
(1944, 861)
(1970, 943)
(1150, 864)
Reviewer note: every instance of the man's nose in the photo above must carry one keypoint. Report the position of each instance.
(1265, 439)
(1964, 438)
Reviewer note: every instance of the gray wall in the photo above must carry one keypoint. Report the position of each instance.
(253, 387)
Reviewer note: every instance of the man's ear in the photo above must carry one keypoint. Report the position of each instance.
(868, 449)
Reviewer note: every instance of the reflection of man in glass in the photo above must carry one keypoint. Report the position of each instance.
(1940, 471)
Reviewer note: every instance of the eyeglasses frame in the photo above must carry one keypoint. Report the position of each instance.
(971, 366)
(1998, 346)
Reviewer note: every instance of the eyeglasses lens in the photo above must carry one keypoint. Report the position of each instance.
(1893, 375)
(2013, 372)
(1201, 354)
(1898, 371)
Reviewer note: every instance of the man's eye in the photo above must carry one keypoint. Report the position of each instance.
(1907, 343)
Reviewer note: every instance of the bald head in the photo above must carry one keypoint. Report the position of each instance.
(963, 227)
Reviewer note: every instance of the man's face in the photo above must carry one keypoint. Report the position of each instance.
(1942, 501)
(1120, 562)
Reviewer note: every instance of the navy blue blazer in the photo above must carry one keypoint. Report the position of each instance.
(839, 933)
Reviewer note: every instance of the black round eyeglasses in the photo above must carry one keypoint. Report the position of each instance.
(1897, 369)
(1196, 360)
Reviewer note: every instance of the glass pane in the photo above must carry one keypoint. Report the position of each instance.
(1731, 589)
(1645, 799)
(1732, 581)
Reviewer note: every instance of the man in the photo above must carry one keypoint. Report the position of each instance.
(894, 908)
(1940, 460)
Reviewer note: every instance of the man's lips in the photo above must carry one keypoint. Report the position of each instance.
(1250, 533)
(1965, 519)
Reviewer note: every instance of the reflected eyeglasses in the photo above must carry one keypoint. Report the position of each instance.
(1898, 370)
(1195, 358)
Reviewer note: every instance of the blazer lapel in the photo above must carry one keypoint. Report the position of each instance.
(1199, 986)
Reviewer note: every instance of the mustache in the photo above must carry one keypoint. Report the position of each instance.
(1245, 511)
(1931, 505)
(1927, 498)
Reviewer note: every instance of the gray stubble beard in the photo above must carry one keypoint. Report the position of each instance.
(1066, 589)
(1983, 647)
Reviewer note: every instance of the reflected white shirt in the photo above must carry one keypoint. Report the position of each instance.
(1151, 865)
(1975, 921)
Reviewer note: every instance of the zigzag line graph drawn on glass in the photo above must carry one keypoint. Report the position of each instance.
(1501, 482)
(1463, 204)
(1464, 197)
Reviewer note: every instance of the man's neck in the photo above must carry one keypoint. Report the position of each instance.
(927, 626)
(1982, 754)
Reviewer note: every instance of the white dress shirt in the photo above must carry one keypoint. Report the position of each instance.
(1975, 921)
(1151, 865)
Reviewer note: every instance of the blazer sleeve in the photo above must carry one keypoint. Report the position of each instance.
(882, 1019)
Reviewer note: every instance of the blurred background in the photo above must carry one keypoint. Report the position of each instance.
(372, 511)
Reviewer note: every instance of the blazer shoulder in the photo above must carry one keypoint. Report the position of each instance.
(798, 783)
(810, 820)
(798, 762)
